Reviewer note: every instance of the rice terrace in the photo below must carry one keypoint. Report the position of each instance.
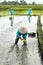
(21, 33)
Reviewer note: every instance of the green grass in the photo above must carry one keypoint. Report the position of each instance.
(34, 7)
(39, 30)
(21, 9)
(38, 12)
(21, 12)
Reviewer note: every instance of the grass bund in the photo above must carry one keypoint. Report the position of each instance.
(40, 36)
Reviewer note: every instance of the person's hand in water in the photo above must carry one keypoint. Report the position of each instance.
(21, 38)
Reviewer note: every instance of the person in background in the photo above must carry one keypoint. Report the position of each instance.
(11, 11)
(29, 14)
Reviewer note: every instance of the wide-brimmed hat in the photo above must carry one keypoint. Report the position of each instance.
(23, 30)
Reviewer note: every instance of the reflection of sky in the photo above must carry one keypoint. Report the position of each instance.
(22, 55)
(5, 22)
(9, 33)
(28, 1)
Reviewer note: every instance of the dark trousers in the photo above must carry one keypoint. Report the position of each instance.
(17, 39)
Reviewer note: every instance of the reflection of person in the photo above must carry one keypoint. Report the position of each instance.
(29, 13)
(24, 54)
(12, 16)
(22, 31)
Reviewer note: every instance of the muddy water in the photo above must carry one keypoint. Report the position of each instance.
(20, 55)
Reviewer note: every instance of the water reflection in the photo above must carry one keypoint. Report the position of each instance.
(24, 58)
(21, 55)
(17, 54)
